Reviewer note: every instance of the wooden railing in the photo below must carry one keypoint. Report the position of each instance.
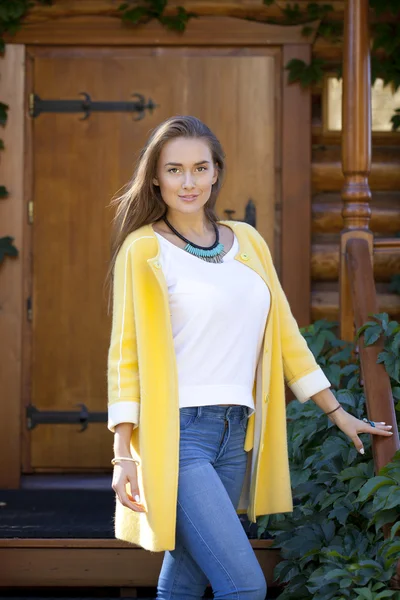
(378, 392)
(357, 245)
(358, 297)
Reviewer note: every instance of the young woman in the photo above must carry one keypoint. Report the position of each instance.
(202, 340)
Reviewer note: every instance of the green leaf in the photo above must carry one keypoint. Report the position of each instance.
(363, 328)
(394, 549)
(136, 15)
(364, 594)
(393, 499)
(371, 335)
(3, 113)
(372, 486)
(7, 248)
(305, 74)
(396, 393)
(3, 192)
(394, 529)
(383, 318)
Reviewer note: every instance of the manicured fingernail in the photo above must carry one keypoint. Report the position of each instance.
(137, 498)
(362, 451)
(391, 432)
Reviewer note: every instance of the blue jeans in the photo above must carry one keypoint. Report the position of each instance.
(211, 543)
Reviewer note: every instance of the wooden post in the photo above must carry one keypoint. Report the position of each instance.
(12, 77)
(296, 191)
(356, 148)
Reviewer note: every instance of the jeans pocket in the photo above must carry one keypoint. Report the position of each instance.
(186, 417)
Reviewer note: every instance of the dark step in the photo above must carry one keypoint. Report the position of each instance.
(66, 513)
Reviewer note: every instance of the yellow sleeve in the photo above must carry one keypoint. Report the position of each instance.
(122, 368)
(301, 371)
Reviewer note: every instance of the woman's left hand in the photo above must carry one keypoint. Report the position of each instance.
(352, 426)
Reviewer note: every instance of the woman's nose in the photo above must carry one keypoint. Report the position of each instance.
(188, 181)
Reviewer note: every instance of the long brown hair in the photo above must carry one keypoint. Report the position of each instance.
(141, 202)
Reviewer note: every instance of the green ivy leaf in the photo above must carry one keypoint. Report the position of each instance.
(364, 328)
(394, 530)
(395, 280)
(3, 113)
(7, 248)
(3, 192)
(395, 120)
(305, 74)
(396, 393)
(372, 486)
(372, 335)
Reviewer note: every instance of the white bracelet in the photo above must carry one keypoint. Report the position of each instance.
(118, 458)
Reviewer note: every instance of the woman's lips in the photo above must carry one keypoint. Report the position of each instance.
(188, 198)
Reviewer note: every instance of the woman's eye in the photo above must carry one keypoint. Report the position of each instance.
(175, 169)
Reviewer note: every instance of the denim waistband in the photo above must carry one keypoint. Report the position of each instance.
(214, 411)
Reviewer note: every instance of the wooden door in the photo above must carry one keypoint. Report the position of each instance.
(77, 167)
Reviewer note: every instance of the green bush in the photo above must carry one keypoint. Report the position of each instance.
(332, 544)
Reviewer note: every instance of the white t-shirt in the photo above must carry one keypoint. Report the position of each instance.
(218, 315)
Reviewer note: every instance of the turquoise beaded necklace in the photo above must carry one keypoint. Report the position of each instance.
(213, 253)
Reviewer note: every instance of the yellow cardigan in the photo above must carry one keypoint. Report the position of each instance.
(143, 388)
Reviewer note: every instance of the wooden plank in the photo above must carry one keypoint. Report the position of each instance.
(89, 563)
(11, 271)
(325, 260)
(85, 543)
(296, 191)
(203, 31)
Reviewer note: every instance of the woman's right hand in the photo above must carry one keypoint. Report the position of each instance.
(126, 472)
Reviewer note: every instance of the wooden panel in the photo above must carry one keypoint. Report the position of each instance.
(296, 196)
(206, 31)
(80, 164)
(11, 278)
(88, 563)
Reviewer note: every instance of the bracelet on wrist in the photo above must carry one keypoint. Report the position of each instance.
(117, 459)
(332, 411)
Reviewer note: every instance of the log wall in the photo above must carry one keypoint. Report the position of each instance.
(327, 181)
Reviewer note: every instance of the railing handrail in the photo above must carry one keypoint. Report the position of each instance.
(378, 391)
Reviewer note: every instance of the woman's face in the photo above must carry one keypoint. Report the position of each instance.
(185, 174)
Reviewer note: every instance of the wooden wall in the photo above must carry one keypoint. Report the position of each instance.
(326, 151)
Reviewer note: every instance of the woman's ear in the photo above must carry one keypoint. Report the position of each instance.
(215, 176)
(155, 181)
